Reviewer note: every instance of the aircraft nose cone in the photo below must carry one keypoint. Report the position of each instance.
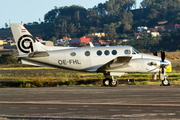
(165, 63)
(168, 62)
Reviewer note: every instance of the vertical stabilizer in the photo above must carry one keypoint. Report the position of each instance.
(25, 42)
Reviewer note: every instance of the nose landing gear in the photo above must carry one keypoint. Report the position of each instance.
(165, 82)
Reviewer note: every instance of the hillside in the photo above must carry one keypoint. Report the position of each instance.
(174, 57)
(117, 19)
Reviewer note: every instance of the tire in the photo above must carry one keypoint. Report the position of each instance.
(106, 82)
(113, 83)
(165, 82)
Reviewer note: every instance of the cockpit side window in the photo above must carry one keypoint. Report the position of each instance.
(127, 52)
(135, 51)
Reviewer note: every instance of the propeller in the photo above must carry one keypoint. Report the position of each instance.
(162, 66)
(162, 59)
(162, 56)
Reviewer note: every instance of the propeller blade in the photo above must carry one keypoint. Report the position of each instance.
(162, 70)
(155, 53)
(162, 56)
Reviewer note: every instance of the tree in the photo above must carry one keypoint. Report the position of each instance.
(127, 28)
(8, 59)
(53, 39)
(6, 25)
(110, 31)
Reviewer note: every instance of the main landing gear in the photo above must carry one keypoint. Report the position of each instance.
(110, 82)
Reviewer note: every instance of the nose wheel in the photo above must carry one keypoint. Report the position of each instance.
(165, 82)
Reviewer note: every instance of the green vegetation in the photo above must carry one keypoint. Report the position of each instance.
(8, 59)
(47, 77)
(34, 77)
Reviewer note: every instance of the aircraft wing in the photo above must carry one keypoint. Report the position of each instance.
(121, 61)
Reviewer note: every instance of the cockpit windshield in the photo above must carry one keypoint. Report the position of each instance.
(135, 51)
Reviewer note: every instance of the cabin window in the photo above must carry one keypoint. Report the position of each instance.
(114, 52)
(106, 52)
(87, 53)
(127, 52)
(99, 53)
(73, 54)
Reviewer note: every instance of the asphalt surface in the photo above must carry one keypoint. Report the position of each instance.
(75, 103)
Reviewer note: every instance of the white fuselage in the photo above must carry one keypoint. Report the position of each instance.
(91, 58)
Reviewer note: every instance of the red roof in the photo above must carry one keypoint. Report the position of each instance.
(85, 40)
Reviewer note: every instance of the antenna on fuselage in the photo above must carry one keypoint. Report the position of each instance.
(91, 44)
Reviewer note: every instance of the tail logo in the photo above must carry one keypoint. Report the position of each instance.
(25, 43)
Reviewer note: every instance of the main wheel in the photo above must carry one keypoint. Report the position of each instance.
(106, 82)
(165, 82)
(113, 83)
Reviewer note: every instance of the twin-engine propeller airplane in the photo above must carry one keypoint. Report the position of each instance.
(109, 60)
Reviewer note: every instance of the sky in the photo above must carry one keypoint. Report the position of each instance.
(15, 11)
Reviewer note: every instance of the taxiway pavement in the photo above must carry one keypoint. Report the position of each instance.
(122, 102)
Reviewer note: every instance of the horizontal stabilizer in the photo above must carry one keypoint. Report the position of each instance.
(23, 56)
(38, 54)
(34, 54)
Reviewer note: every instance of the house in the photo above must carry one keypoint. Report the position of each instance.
(141, 35)
(64, 40)
(155, 34)
(9, 45)
(96, 35)
(47, 43)
(103, 42)
(37, 38)
(1, 44)
(83, 39)
(159, 28)
(172, 27)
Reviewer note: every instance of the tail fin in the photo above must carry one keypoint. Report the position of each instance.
(25, 42)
